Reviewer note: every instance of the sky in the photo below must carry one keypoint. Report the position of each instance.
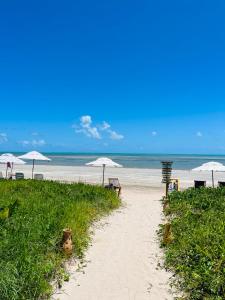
(112, 76)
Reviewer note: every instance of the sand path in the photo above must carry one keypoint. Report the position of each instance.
(124, 256)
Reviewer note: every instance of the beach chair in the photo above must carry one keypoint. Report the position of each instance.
(199, 183)
(38, 176)
(115, 185)
(19, 176)
(221, 183)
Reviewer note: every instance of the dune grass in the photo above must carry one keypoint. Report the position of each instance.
(30, 253)
(197, 251)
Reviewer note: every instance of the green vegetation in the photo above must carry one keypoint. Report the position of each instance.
(196, 252)
(32, 217)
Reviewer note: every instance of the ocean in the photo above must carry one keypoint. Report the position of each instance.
(147, 161)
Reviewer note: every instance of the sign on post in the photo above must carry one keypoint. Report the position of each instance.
(166, 174)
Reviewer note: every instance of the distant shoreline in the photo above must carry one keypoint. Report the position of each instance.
(139, 161)
(115, 153)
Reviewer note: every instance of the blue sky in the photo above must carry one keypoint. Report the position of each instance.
(113, 76)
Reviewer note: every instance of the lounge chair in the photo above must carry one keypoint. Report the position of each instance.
(199, 183)
(221, 183)
(19, 176)
(38, 176)
(114, 184)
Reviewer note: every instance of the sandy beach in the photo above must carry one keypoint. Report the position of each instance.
(127, 176)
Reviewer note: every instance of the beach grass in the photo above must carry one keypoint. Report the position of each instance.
(32, 218)
(196, 252)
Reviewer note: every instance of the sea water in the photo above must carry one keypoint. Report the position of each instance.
(148, 161)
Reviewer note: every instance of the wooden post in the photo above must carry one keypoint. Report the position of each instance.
(67, 244)
(167, 190)
(167, 237)
(166, 174)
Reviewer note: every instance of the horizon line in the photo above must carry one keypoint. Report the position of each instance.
(116, 153)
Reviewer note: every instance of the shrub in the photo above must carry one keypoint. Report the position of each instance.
(197, 253)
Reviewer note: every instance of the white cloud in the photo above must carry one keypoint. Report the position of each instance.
(34, 143)
(154, 133)
(199, 134)
(3, 138)
(104, 126)
(115, 136)
(86, 121)
(87, 128)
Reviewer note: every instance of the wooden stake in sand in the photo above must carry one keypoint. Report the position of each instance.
(167, 237)
(67, 244)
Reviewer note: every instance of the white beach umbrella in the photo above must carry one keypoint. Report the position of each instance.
(104, 162)
(34, 155)
(211, 167)
(10, 158)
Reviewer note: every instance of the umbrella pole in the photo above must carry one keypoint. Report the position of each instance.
(6, 172)
(33, 170)
(103, 176)
(213, 185)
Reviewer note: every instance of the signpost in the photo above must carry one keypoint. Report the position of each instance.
(166, 174)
